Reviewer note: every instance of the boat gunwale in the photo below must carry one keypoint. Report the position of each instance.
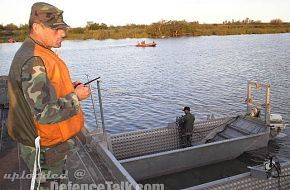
(267, 132)
(157, 128)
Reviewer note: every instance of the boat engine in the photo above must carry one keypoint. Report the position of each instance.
(276, 124)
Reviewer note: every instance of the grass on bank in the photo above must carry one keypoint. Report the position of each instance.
(156, 30)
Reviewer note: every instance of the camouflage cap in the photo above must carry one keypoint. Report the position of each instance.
(48, 15)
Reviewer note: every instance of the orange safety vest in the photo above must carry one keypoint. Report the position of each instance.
(58, 74)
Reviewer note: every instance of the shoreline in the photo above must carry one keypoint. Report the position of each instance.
(168, 29)
(163, 37)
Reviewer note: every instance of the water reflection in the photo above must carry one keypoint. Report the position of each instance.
(147, 87)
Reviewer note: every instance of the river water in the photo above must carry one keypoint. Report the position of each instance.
(147, 87)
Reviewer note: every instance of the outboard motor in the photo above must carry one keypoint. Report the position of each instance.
(276, 124)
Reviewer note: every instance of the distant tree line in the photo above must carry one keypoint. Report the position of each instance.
(249, 21)
(162, 28)
(13, 31)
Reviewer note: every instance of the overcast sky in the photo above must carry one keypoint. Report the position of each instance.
(122, 12)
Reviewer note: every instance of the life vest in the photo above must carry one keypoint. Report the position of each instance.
(20, 124)
(58, 74)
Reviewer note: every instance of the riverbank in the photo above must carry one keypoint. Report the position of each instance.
(160, 29)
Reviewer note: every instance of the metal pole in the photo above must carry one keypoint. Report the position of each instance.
(268, 105)
(101, 105)
(249, 98)
(93, 102)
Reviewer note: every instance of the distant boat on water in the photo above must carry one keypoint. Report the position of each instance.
(11, 40)
(143, 44)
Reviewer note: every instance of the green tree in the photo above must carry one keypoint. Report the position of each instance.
(23, 27)
(96, 26)
(157, 29)
(77, 30)
(276, 21)
(10, 27)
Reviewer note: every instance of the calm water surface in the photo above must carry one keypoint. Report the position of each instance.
(148, 87)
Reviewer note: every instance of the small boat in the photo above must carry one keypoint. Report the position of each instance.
(156, 152)
(143, 44)
(11, 40)
(214, 141)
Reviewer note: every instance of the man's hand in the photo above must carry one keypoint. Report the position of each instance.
(76, 83)
(82, 91)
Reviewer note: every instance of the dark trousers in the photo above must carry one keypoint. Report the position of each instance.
(50, 173)
(185, 139)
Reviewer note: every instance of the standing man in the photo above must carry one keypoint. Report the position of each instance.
(186, 128)
(45, 111)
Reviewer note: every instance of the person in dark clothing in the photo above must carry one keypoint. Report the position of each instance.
(186, 128)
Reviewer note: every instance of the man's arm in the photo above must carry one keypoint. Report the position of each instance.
(40, 94)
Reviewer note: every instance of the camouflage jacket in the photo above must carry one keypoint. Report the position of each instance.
(188, 120)
(45, 107)
(31, 95)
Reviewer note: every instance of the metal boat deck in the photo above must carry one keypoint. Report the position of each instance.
(84, 167)
(87, 166)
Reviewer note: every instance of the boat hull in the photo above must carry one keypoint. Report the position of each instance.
(164, 163)
(146, 45)
(156, 152)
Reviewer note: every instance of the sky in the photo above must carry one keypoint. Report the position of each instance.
(123, 12)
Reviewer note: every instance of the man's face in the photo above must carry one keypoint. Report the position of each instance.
(51, 38)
